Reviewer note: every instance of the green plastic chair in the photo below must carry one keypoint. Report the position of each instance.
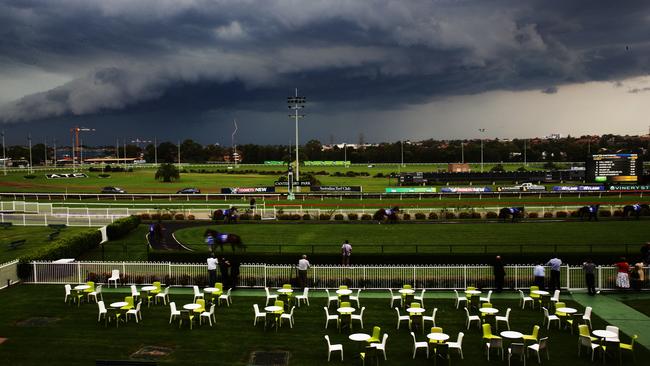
(487, 332)
(89, 290)
(435, 330)
(146, 297)
(187, 315)
(376, 333)
(534, 337)
(158, 288)
(534, 296)
(129, 303)
(202, 308)
(343, 287)
(629, 347)
(415, 305)
(407, 287)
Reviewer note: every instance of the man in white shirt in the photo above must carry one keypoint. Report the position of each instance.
(555, 264)
(303, 266)
(346, 251)
(539, 274)
(212, 269)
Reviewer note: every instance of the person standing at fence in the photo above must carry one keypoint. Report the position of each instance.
(223, 269)
(212, 269)
(210, 241)
(499, 273)
(622, 277)
(555, 264)
(346, 252)
(303, 266)
(252, 203)
(539, 274)
(589, 268)
(234, 273)
(152, 233)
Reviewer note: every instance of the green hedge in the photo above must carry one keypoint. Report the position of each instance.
(121, 227)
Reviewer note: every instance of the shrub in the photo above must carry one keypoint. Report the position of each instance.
(476, 215)
(533, 215)
(156, 216)
(406, 216)
(366, 217)
(284, 217)
(166, 216)
(548, 215)
(575, 214)
(605, 213)
(433, 216)
(353, 216)
(121, 227)
(104, 175)
(306, 217)
(179, 216)
(491, 215)
(324, 217)
(379, 175)
(245, 217)
(561, 214)
(618, 213)
(338, 217)
(145, 216)
(420, 216)
(29, 176)
(450, 215)
(294, 217)
(191, 217)
(257, 217)
(464, 215)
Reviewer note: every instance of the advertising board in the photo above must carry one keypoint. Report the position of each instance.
(578, 188)
(411, 190)
(336, 189)
(465, 189)
(614, 168)
(302, 183)
(629, 188)
(247, 190)
(66, 175)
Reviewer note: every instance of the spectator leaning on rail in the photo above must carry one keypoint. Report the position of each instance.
(346, 251)
(555, 264)
(539, 274)
(499, 273)
(212, 270)
(589, 267)
(622, 277)
(303, 266)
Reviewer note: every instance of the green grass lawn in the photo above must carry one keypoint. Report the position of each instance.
(569, 236)
(35, 236)
(132, 247)
(75, 337)
(642, 305)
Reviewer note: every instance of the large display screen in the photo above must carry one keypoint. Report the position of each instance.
(614, 168)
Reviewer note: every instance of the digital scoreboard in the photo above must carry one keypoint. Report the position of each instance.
(619, 168)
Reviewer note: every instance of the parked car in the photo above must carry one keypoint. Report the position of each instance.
(189, 191)
(113, 190)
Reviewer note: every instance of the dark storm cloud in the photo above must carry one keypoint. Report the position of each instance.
(550, 90)
(128, 56)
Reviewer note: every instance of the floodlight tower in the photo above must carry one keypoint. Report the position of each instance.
(297, 103)
(482, 131)
(4, 154)
(76, 146)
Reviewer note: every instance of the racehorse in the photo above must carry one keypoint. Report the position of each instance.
(386, 214)
(228, 216)
(515, 212)
(590, 211)
(224, 238)
(635, 209)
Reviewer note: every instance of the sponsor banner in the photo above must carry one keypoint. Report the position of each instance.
(509, 189)
(336, 189)
(247, 190)
(304, 183)
(645, 187)
(411, 190)
(66, 175)
(578, 188)
(465, 189)
(326, 163)
(273, 162)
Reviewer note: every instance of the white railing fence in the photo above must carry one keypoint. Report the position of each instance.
(263, 275)
(8, 273)
(69, 220)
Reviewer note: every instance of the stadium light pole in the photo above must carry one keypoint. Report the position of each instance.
(345, 153)
(462, 153)
(525, 163)
(296, 103)
(4, 153)
(31, 167)
(54, 152)
(155, 150)
(482, 130)
(179, 155)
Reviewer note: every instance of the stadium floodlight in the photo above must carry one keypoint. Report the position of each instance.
(482, 131)
(4, 153)
(296, 103)
(31, 166)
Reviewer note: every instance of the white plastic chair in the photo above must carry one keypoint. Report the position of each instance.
(585, 341)
(394, 298)
(421, 297)
(486, 299)
(269, 297)
(417, 345)
(331, 299)
(197, 293)
(68, 293)
(401, 318)
(134, 292)
(329, 317)
(359, 317)
(458, 345)
(174, 312)
(539, 347)
(96, 293)
(163, 295)
(459, 299)
(381, 346)
(523, 299)
(304, 297)
(226, 297)
(258, 314)
(613, 329)
(472, 318)
(288, 316)
(431, 318)
(356, 297)
(586, 317)
(135, 312)
(504, 319)
(550, 318)
(102, 310)
(494, 344)
(517, 349)
(333, 348)
(556, 296)
(115, 276)
(209, 315)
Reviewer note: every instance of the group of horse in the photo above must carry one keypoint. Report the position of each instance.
(589, 212)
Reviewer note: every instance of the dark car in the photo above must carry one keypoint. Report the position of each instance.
(189, 191)
(113, 190)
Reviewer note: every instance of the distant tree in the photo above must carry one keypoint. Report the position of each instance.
(550, 165)
(168, 173)
(167, 153)
(497, 168)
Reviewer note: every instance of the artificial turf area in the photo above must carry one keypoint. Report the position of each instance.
(570, 237)
(70, 335)
(642, 305)
(35, 236)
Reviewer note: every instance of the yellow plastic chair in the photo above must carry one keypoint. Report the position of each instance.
(583, 330)
(630, 347)
(286, 286)
(129, 303)
(487, 332)
(158, 287)
(89, 290)
(534, 337)
(376, 333)
(435, 330)
(202, 308)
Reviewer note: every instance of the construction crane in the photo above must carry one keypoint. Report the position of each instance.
(76, 143)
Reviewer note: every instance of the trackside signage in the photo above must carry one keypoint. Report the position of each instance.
(627, 188)
(411, 190)
(66, 175)
(578, 188)
(465, 189)
(336, 189)
(302, 183)
(247, 190)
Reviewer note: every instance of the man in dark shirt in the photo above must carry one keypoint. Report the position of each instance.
(499, 273)
(589, 267)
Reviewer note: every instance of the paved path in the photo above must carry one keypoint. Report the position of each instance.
(612, 310)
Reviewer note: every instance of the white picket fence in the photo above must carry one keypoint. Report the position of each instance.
(8, 274)
(69, 220)
(263, 275)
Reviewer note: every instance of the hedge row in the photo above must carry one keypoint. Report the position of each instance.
(121, 227)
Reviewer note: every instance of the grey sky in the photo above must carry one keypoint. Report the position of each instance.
(387, 69)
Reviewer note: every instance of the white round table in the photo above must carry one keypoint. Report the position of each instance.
(359, 337)
(212, 290)
(600, 333)
(407, 291)
(440, 337)
(273, 309)
(567, 310)
(344, 292)
(346, 310)
(149, 288)
(191, 306)
(511, 334)
(81, 287)
(473, 292)
(415, 310)
(119, 304)
(490, 311)
(285, 291)
(540, 292)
